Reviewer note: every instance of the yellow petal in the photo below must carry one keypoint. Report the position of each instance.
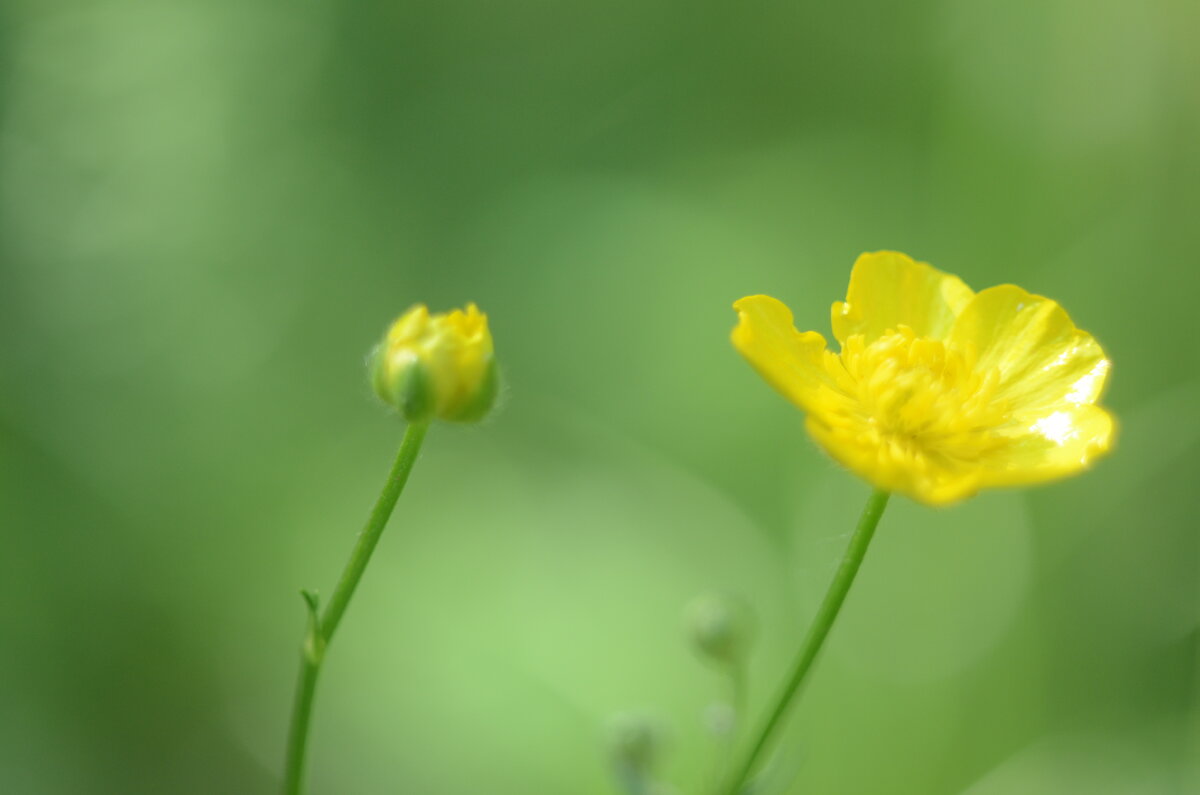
(1056, 445)
(791, 362)
(889, 289)
(930, 480)
(1044, 362)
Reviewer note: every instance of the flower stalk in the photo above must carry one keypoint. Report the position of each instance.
(815, 639)
(321, 627)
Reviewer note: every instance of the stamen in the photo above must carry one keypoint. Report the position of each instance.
(915, 402)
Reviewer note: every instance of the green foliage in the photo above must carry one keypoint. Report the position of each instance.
(208, 210)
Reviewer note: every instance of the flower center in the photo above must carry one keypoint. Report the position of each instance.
(917, 401)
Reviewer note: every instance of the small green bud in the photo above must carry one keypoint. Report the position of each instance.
(635, 742)
(720, 628)
(437, 366)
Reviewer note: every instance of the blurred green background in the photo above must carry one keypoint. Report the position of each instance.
(210, 210)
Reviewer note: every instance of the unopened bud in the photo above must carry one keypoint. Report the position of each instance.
(720, 628)
(437, 366)
(634, 743)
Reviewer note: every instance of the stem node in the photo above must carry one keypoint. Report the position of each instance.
(320, 628)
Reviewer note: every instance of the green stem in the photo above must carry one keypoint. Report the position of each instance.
(821, 625)
(735, 674)
(320, 631)
(306, 685)
(737, 694)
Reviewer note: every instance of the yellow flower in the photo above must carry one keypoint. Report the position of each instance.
(938, 391)
(437, 366)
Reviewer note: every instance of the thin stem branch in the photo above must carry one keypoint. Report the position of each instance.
(737, 694)
(822, 623)
(735, 679)
(320, 630)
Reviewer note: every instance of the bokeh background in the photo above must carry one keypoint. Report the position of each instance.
(210, 209)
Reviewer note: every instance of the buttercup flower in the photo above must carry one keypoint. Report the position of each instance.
(938, 391)
(437, 366)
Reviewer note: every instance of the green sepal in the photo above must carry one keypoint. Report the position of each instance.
(409, 391)
(414, 394)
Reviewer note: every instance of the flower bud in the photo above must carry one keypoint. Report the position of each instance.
(437, 366)
(635, 742)
(719, 628)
